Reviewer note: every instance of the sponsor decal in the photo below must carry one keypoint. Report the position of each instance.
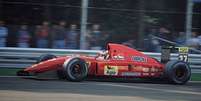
(131, 74)
(145, 69)
(152, 74)
(110, 70)
(153, 69)
(138, 67)
(145, 74)
(183, 49)
(138, 59)
(119, 57)
(183, 53)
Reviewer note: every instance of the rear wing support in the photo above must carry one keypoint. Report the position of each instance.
(167, 50)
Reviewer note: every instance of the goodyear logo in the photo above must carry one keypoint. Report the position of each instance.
(110, 70)
(139, 59)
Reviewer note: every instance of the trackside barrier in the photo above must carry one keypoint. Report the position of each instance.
(23, 57)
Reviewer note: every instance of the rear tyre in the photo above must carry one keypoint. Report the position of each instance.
(177, 72)
(75, 69)
(45, 57)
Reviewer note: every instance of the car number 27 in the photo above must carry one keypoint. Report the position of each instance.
(183, 57)
(183, 54)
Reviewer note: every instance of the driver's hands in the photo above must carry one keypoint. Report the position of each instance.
(103, 55)
(106, 54)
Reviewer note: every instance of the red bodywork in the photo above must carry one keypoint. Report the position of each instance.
(122, 62)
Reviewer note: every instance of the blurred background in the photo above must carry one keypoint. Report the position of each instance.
(90, 24)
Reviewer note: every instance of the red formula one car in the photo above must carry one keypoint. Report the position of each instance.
(117, 61)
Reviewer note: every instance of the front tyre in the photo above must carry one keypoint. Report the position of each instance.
(177, 72)
(75, 69)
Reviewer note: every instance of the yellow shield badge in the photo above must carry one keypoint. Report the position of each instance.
(110, 70)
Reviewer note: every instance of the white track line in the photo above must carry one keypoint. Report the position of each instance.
(154, 89)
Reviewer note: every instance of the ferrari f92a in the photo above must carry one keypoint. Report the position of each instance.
(117, 61)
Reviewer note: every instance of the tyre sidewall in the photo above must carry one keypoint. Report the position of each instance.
(68, 65)
(170, 69)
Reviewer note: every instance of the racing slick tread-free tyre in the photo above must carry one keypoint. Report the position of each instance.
(45, 57)
(177, 72)
(75, 69)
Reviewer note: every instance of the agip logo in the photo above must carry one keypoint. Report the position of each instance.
(110, 70)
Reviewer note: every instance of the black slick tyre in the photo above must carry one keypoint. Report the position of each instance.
(177, 72)
(75, 69)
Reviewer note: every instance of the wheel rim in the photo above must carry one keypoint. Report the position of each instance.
(180, 72)
(76, 70)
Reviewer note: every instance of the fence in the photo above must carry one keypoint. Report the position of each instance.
(23, 57)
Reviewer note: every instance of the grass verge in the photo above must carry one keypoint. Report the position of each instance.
(196, 77)
(8, 71)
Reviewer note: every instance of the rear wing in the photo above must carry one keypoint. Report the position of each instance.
(167, 50)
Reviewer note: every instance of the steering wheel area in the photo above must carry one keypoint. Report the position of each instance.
(103, 55)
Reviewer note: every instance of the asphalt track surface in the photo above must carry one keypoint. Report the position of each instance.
(18, 89)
